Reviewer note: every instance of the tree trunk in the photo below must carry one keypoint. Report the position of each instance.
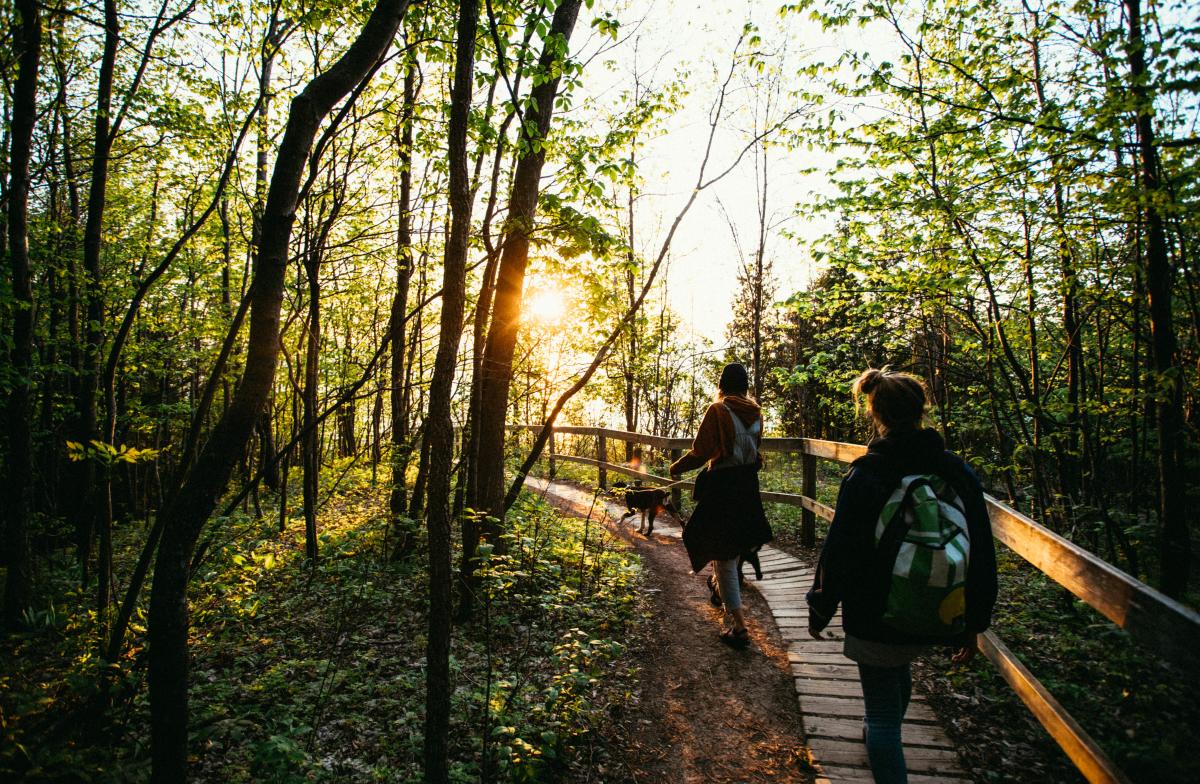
(85, 403)
(398, 501)
(309, 446)
(1175, 540)
(440, 431)
(266, 450)
(756, 368)
(522, 209)
(27, 42)
(187, 512)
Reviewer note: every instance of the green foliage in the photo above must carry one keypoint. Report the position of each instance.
(304, 672)
(107, 454)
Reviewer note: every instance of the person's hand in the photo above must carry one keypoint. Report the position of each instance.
(963, 654)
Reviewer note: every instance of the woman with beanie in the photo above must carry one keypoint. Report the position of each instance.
(729, 519)
(881, 565)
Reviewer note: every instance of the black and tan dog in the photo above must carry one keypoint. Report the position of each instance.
(647, 500)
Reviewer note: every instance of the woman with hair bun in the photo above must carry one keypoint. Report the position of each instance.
(909, 557)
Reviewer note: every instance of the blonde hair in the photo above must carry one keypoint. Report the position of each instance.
(894, 399)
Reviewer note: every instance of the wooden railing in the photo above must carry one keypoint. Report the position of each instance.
(1163, 625)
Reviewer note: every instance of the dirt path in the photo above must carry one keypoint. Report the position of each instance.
(705, 712)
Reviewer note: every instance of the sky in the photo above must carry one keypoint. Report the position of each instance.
(677, 36)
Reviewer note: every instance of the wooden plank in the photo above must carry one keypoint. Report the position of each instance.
(830, 450)
(676, 491)
(838, 773)
(802, 575)
(847, 777)
(776, 568)
(815, 687)
(799, 634)
(621, 468)
(819, 658)
(781, 498)
(848, 754)
(819, 509)
(790, 596)
(808, 520)
(798, 583)
(601, 461)
(802, 620)
(852, 707)
(1158, 621)
(775, 586)
(828, 687)
(846, 671)
(778, 590)
(782, 445)
(794, 601)
(658, 442)
(776, 572)
(789, 612)
(1087, 755)
(779, 562)
(851, 729)
(823, 646)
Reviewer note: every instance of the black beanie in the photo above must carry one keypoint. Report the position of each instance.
(734, 379)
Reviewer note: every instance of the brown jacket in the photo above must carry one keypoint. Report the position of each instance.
(714, 440)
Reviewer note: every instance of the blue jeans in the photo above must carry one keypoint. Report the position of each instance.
(728, 583)
(886, 692)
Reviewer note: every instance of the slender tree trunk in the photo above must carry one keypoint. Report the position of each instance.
(85, 404)
(275, 36)
(27, 42)
(1175, 540)
(309, 446)
(506, 314)
(440, 431)
(759, 254)
(398, 501)
(187, 512)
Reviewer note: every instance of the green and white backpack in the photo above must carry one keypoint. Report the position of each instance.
(924, 524)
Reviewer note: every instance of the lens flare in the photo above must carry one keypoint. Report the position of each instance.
(546, 306)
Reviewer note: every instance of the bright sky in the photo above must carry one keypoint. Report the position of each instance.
(674, 36)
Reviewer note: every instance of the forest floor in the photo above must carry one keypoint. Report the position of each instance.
(705, 712)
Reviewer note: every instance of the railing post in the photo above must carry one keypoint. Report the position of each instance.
(676, 495)
(552, 466)
(808, 520)
(602, 457)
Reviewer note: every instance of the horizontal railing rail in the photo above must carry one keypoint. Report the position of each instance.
(1165, 626)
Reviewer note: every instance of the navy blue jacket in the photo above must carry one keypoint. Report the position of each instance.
(851, 573)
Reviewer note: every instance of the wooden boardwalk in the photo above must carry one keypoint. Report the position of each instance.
(826, 681)
(829, 693)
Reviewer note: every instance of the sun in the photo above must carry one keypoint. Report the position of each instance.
(546, 306)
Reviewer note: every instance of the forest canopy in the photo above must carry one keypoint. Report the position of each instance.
(275, 266)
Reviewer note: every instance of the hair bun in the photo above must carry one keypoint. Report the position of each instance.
(869, 380)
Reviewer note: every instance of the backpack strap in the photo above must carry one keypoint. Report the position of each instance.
(888, 545)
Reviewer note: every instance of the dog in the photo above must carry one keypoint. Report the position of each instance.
(647, 500)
